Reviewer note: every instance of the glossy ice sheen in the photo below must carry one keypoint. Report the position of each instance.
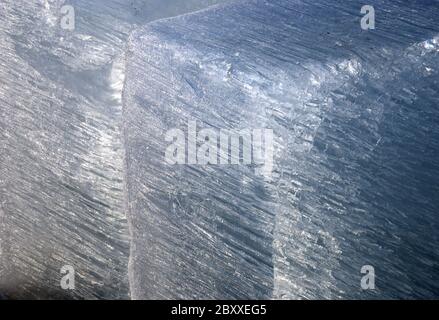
(61, 154)
(355, 114)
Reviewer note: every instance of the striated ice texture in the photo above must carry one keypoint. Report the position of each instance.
(355, 182)
(61, 153)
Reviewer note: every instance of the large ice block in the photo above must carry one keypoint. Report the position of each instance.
(61, 156)
(355, 119)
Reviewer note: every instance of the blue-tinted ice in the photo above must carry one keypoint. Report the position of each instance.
(83, 175)
(61, 154)
(355, 116)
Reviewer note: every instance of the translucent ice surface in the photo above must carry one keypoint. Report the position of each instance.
(356, 152)
(84, 133)
(61, 154)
